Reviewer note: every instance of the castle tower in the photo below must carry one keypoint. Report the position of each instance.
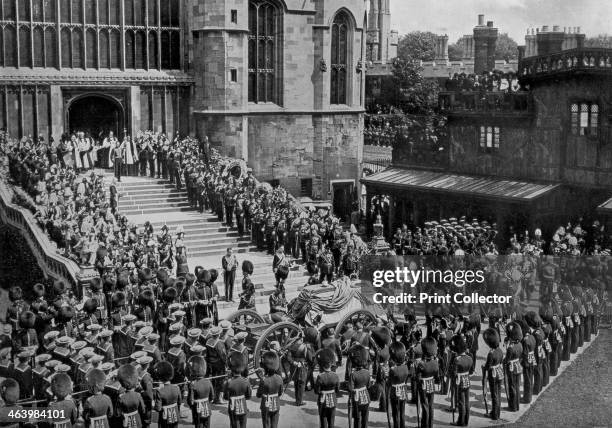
(381, 41)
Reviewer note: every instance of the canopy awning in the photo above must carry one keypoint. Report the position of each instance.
(606, 207)
(436, 181)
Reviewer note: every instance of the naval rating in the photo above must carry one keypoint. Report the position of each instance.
(435, 298)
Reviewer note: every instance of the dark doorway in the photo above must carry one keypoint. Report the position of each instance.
(96, 115)
(342, 200)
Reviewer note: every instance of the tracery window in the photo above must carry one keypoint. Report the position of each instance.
(339, 59)
(265, 34)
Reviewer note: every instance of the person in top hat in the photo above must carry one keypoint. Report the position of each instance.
(460, 369)
(237, 390)
(200, 392)
(130, 405)
(326, 387)
(397, 384)
(512, 360)
(493, 370)
(98, 407)
(167, 397)
(270, 389)
(61, 387)
(359, 382)
(426, 373)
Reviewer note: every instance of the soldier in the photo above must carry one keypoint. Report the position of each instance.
(426, 372)
(216, 357)
(237, 390)
(16, 307)
(326, 265)
(568, 325)
(270, 389)
(534, 322)
(247, 297)
(167, 396)
(9, 392)
(130, 405)
(230, 264)
(359, 382)
(512, 360)
(176, 356)
(350, 262)
(278, 305)
(528, 361)
(493, 371)
(229, 201)
(61, 387)
(280, 267)
(26, 338)
(299, 357)
(98, 408)
(146, 388)
(397, 384)
(460, 370)
(200, 392)
(556, 343)
(326, 387)
(330, 342)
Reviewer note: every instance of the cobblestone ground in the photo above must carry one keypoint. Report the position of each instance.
(581, 396)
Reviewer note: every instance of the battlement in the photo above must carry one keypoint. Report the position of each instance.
(547, 40)
(584, 60)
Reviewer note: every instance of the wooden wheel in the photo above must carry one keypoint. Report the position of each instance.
(364, 316)
(244, 317)
(284, 333)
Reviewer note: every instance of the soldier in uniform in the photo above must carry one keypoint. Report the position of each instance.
(327, 388)
(237, 390)
(130, 405)
(146, 388)
(397, 384)
(98, 408)
(460, 370)
(167, 396)
(493, 370)
(513, 365)
(528, 361)
(230, 264)
(280, 267)
(26, 337)
(426, 372)
(300, 358)
(330, 342)
(568, 325)
(326, 265)
(270, 389)
(278, 306)
(359, 382)
(534, 323)
(247, 297)
(200, 392)
(61, 387)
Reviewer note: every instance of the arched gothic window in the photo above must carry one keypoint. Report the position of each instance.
(265, 42)
(339, 59)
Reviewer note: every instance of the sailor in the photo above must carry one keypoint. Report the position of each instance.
(238, 347)
(176, 356)
(216, 357)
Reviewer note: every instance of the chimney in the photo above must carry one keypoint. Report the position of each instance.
(441, 49)
(549, 42)
(468, 48)
(485, 41)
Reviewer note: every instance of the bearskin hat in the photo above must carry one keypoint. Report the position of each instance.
(66, 313)
(214, 274)
(15, 293)
(10, 391)
(109, 282)
(95, 284)
(311, 267)
(546, 313)
(524, 326)
(27, 319)
(430, 347)
(90, 306)
(164, 371)
(170, 294)
(40, 306)
(473, 321)
(127, 376)
(576, 306)
(146, 298)
(311, 335)
(567, 309)
(236, 362)
(282, 272)
(162, 275)
(59, 287)
(270, 361)
(145, 275)
(204, 277)
(491, 338)
(169, 282)
(247, 267)
(381, 335)
(547, 329)
(96, 380)
(61, 385)
(118, 299)
(189, 279)
(397, 351)
(123, 278)
(39, 290)
(179, 284)
(533, 320)
(514, 331)
(359, 356)
(555, 323)
(196, 366)
(197, 271)
(325, 358)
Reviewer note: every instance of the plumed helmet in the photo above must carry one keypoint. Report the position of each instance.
(90, 306)
(179, 284)
(96, 380)
(197, 271)
(397, 350)
(270, 361)
(359, 356)
(247, 267)
(95, 284)
(164, 371)
(170, 294)
(61, 385)
(491, 337)
(27, 319)
(430, 347)
(325, 358)
(533, 320)
(196, 366)
(204, 276)
(514, 331)
(118, 299)
(381, 335)
(214, 274)
(66, 313)
(15, 293)
(236, 362)
(127, 376)
(39, 290)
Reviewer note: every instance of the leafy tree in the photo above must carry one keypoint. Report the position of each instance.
(455, 50)
(600, 41)
(418, 45)
(506, 49)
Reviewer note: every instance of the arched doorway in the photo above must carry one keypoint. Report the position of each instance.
(96, 115)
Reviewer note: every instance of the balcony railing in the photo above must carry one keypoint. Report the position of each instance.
(597, 60)
(477, 102)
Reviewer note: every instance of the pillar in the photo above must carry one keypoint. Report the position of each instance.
(57, 112)
(391, 220)
(134, 117)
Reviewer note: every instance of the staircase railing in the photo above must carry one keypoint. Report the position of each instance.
(52, 264)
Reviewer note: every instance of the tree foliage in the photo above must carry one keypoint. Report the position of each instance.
(600, 41)
(417, 45)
